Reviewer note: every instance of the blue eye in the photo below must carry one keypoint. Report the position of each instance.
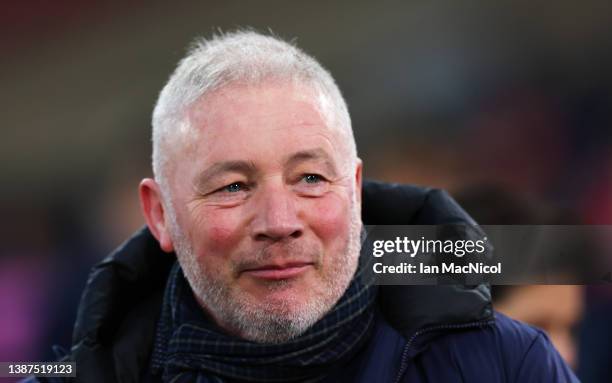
(234, 188)
(312, 178)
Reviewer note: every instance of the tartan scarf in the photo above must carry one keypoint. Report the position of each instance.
(190, 348)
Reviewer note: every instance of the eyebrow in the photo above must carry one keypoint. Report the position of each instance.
(312, 155)
(243, 167)
(248, 167)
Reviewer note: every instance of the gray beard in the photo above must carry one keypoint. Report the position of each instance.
(264, 322)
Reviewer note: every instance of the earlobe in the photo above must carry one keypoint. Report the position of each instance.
(154, 213)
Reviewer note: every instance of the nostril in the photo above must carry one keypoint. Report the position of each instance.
(261, 237)
(267, 236)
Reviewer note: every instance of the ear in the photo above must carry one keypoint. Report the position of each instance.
(358, 179)
(153, 210)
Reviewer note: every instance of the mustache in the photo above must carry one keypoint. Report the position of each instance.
(283, 253)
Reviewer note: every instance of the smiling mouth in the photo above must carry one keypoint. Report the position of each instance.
(279, 272)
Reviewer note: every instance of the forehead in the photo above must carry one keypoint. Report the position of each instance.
(239, 121)
(233, 105)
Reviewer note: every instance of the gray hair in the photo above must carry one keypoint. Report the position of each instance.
(239, 57)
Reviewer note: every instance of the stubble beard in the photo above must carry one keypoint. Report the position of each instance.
(269, 322)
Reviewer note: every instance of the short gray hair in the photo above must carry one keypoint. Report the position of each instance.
(239, 57)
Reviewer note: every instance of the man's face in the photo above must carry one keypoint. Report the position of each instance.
(267, 210)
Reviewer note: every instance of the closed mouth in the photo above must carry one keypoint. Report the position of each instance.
(278, 271)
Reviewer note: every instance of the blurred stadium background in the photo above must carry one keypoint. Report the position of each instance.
(517, 95)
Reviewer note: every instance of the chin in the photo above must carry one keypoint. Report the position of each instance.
(277, 320)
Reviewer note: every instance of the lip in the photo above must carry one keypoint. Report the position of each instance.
(276, 272)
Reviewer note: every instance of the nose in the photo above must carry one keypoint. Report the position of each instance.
(276, 217)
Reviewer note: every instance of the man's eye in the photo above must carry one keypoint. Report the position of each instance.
(235, 187)
(312, 185)
(312, 178)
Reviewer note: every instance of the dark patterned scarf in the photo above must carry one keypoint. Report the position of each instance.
(190, 348)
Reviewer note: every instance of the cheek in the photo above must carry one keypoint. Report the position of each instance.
(330, 218)
(216, 234)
